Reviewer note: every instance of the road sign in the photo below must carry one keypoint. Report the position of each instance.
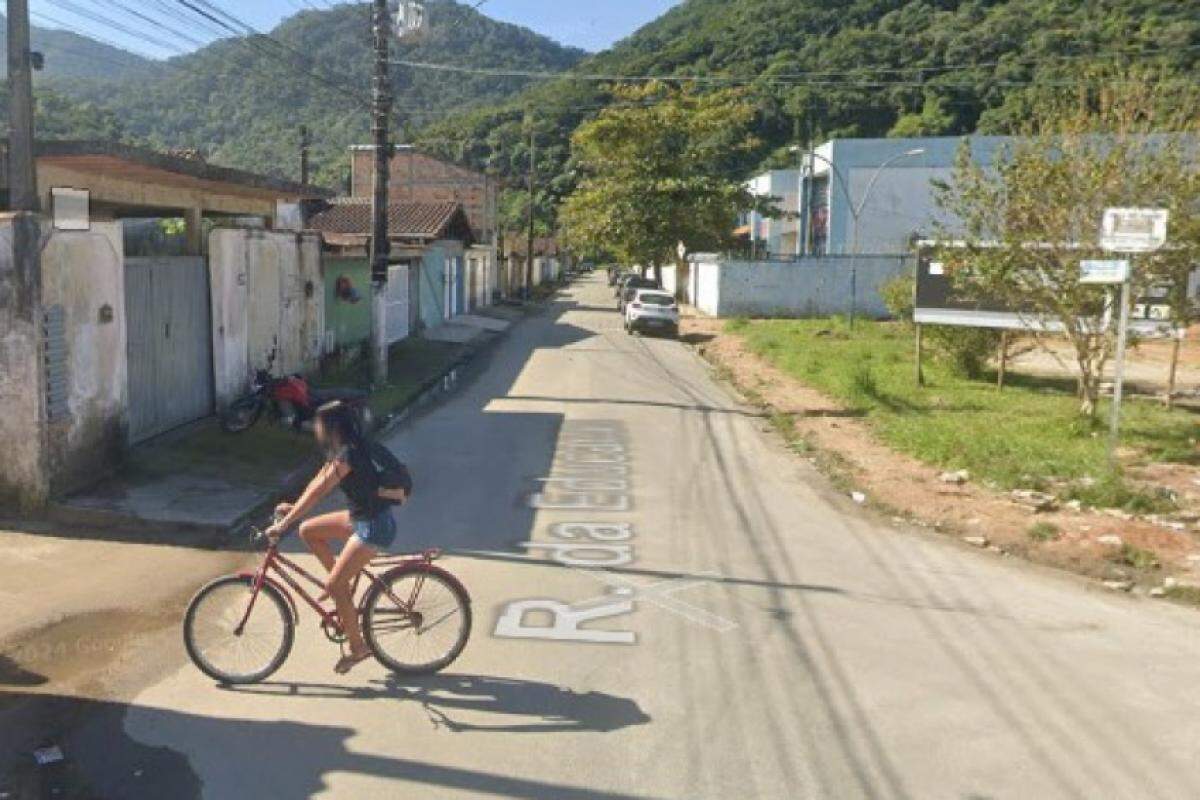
(1103, 271)
(1134, 230)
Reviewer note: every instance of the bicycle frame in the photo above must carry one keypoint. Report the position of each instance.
(285, 568)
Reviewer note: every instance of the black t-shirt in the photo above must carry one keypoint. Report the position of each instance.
(361, 484)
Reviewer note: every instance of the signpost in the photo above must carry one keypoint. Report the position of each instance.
(1123, 230)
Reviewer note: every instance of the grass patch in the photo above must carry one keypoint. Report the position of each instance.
(1135, 557)
(1027, 436)
(412, 363)
(1044, 532)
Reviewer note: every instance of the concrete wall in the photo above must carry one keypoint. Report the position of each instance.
(83, 273)
(268, 293)
(811, 287)
(24, 480)
(81, 283)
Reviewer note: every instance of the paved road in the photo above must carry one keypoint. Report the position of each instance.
(760, 636)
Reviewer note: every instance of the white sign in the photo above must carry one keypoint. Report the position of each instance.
(71, 208)
(410, 19)
(1134, 230)
(682, 251)
(1103, 271)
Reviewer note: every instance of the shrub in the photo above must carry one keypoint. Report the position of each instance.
(897, 296)
(964, 350)
(1043, 532)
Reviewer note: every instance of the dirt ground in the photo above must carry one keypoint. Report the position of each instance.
(846, 447)
(1146, 365)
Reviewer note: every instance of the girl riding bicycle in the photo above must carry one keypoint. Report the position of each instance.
(366, 527)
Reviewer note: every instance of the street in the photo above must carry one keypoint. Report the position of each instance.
(754, 634)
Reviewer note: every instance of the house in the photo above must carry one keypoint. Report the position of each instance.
(436, 271)
(549, 263)
(104, 348)
(417, 177)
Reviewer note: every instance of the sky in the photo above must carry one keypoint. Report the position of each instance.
(590, 24)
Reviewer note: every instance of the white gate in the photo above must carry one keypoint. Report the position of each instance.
(397, 301)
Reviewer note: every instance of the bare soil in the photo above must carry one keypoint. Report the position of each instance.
(846, 446)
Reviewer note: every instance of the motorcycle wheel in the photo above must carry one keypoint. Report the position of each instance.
(242, 415)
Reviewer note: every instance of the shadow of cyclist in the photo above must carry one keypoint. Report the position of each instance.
(454, 702)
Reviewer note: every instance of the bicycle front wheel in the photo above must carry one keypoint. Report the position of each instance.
(417, 620)
(230, 645)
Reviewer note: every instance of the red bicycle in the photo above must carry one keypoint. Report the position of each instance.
(416, 617)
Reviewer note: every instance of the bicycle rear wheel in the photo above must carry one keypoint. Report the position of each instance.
(417, 620)
(219, 650)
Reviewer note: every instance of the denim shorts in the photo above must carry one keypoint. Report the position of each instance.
(378, 531)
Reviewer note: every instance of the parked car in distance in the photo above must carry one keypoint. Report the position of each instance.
(651, 311)
(630, 286)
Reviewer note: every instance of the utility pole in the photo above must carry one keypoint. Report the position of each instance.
(305, 143)
(809, 191)
(532, 199)
(380, 243)
(22, 170)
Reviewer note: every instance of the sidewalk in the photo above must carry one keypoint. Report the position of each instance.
(198, 484)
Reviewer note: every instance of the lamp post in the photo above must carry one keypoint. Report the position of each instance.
(856, 212)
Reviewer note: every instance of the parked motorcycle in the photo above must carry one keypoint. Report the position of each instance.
(289, 399)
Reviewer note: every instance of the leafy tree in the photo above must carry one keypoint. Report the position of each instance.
(1031, 220)
(651, 175)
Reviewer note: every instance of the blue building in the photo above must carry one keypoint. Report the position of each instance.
(887, 184)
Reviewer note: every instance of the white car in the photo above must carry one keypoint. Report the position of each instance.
(652, 310)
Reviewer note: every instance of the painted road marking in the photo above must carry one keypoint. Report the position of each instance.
(591, 473)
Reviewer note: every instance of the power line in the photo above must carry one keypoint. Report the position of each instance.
(812, 78)
(79, 11)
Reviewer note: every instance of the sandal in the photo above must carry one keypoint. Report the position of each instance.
(350, 661)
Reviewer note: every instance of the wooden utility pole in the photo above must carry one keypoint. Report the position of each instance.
(380, 242)
(532, 200)
(305, 143)
(22, 169)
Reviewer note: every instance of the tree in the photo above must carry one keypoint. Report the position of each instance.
(1031, 219)
(658, 169)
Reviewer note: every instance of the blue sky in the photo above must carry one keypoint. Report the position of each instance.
(590, 24)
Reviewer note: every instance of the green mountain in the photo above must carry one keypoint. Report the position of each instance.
(854, 68)
(69, 55)
(241, 101)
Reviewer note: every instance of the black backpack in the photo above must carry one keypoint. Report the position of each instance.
(392, 474)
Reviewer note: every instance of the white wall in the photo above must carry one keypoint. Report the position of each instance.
(267, 294)
(83, 272)
(810, 287)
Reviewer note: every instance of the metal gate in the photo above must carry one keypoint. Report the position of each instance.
(397, 303)
(170, 343)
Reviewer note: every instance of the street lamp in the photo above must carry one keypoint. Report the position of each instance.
(857, 209)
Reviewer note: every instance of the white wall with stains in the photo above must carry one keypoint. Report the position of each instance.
(267, 296)
(83, 273)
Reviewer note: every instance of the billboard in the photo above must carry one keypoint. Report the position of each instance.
(939, 302)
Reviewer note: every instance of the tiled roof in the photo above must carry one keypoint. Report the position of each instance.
(352, 217)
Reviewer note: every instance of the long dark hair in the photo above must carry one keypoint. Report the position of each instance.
(340, 420)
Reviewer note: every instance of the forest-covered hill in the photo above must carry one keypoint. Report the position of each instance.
(854, 68)
(69, 55)
(240, 101)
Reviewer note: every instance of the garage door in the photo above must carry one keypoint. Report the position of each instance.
(170, 344)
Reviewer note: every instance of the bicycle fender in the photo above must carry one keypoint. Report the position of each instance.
(279, 587)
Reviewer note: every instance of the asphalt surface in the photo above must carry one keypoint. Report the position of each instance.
(757, 635)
